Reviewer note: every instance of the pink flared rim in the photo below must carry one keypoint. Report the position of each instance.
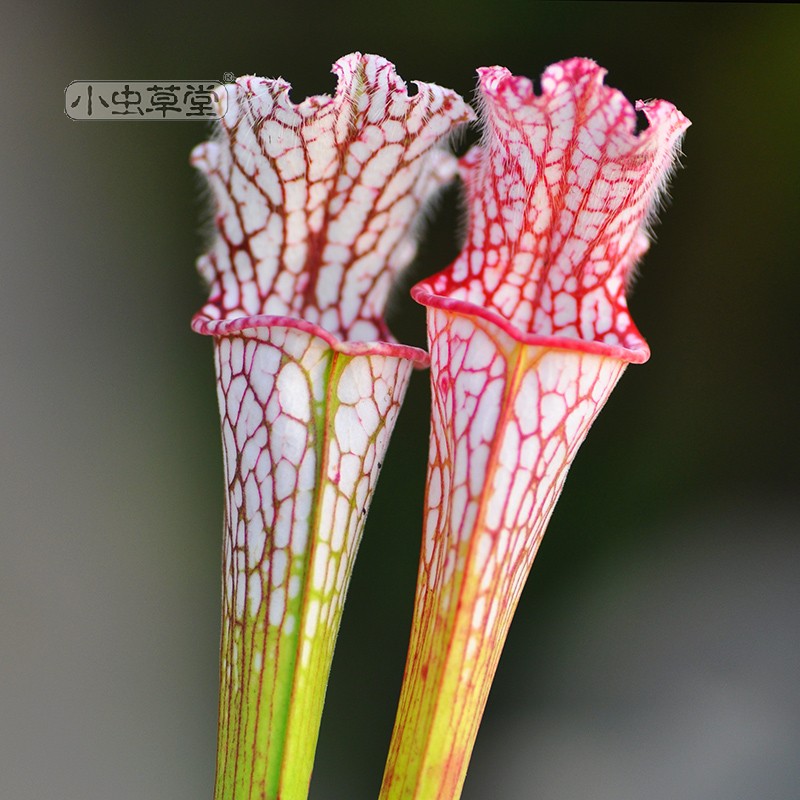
(230, 327)
(633, 355)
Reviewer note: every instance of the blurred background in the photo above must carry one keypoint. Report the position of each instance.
(656, 650)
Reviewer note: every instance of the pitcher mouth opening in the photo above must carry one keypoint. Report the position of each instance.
(636, 353)
(205, 325)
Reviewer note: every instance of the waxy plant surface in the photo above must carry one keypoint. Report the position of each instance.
(315, 210)
(316, 207)
(317, 202)
(559, 197)
(529, 331)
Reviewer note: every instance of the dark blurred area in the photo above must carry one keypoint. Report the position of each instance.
(656, 649)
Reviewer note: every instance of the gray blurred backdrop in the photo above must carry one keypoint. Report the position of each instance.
(656, 651)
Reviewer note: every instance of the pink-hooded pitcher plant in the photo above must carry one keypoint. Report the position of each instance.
(529, 332)
(315, 208)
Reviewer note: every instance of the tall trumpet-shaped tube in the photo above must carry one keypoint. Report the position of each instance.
(315, 208)
(529, 332)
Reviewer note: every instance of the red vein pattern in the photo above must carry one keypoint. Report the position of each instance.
(315, 209)
(317, 202)
(304, 429)
(529, 332)
(560, 195)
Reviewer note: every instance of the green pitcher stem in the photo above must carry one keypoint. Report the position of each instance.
(271, 693)
(293, 526)
(496, 468)
(442, 702)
